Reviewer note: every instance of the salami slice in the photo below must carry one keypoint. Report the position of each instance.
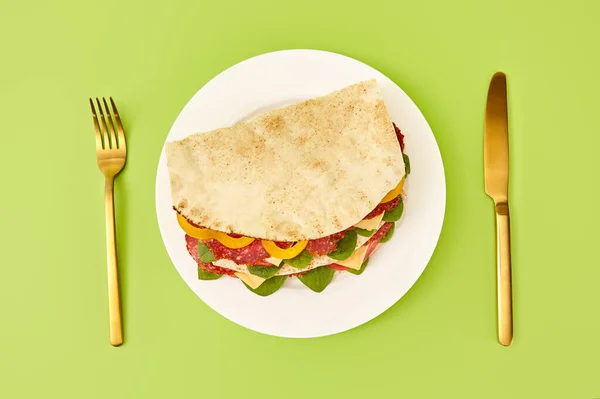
(400, 136)
(209, 267)
(380, 233)
(253, 254)
(371, 248)
(325, 245)
(191, 244)
(386, 206)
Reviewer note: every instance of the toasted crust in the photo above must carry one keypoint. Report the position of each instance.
(300, 172)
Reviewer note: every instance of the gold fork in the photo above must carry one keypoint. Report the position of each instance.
(111, 153)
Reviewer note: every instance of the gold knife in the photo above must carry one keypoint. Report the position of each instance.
(495, 157)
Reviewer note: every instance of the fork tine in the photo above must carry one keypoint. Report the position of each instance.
(109, 139)
(122, 143)
(111, 126)
(99, 141)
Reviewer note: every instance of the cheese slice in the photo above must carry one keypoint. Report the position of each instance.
(274, 261)
(370, 224)
(355, 260)
(253, 281)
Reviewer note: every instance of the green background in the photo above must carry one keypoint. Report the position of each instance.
(439, 341)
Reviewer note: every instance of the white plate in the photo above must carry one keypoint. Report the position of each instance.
(273, 80)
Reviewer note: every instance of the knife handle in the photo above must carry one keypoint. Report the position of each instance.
(505, 319)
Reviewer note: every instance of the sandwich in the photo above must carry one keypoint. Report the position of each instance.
(305, 190)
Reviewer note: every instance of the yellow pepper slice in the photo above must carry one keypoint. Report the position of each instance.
(395, 192)
(281, 253)
(207, 234)
(196, 232)
(233, 243)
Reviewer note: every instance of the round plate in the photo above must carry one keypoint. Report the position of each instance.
(273, 80)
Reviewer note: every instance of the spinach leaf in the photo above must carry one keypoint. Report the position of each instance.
(204, 253)
(364, 232)
(345, 247)
(301, 260)
(388, 235)
(204, 275)
(394, 214)
(317, 279)
(264, 271)
(362, 268)
(269, 287)
(406, 164)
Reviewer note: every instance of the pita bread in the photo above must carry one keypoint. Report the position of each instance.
(300, 172)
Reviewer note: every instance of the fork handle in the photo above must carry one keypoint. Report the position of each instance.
(114, 301)
(504, 279)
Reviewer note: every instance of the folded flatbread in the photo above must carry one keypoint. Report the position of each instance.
(300, 172)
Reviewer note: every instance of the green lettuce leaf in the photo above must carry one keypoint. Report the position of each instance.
(364, 232)
(301, 260)
(406, 164)
(204, 275)
(204, 253)
(317, 279)
(345, 247)
(394, 215)
(269, 287)
(264, 271)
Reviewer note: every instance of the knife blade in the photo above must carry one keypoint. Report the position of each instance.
(495, 155)
(495, 140)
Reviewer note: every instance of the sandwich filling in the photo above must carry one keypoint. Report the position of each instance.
(305, 190)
